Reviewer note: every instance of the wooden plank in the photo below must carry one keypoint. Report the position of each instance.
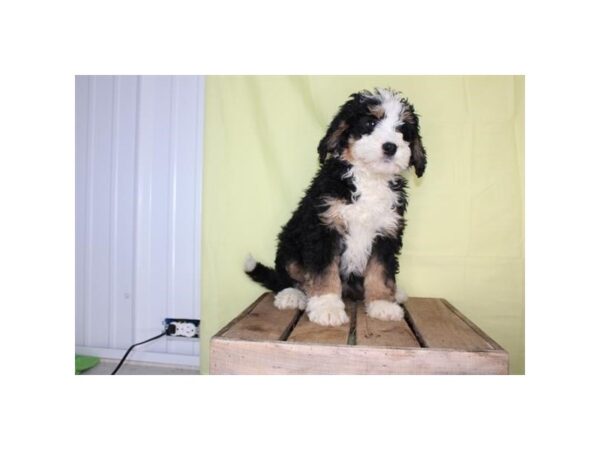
(307, 331)
(439, 327)
(241, 315)
(285, 358)
(263, 322)
(475, 328)
(373, 332)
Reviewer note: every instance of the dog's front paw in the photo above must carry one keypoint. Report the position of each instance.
(327, 310)
(384, 310)
(290, 298)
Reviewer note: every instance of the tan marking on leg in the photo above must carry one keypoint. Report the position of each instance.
(377, 285)
(327, 282)
(295, 271)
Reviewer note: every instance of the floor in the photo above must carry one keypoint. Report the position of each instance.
(106, 366)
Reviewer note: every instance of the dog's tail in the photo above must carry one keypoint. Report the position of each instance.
(265, 276)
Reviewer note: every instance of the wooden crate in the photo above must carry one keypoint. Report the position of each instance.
(434, 338)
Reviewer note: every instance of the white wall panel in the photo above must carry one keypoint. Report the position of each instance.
(138, 191)
(123, 213)
(185, 210)
(98, 242)
(82, 105)
(153, 213)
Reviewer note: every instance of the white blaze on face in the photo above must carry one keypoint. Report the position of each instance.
(368, 150)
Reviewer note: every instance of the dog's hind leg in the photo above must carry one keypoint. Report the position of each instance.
(290, 298)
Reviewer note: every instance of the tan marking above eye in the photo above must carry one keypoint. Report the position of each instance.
(377, 110)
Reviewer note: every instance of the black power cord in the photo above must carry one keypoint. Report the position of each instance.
(171, 329)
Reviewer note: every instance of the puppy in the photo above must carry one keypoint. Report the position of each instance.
(344, 238)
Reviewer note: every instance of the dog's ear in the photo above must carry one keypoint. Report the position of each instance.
(333, 141)
(412, 134)
(418, 157)
(337, 135)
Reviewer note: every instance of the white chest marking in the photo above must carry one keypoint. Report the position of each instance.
(371, 215)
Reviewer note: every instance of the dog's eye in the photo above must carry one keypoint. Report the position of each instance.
(370, 124)
(366, 124)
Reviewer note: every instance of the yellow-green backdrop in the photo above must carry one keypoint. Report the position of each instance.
(465, 233)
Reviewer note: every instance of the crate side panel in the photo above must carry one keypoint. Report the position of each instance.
(283, 358)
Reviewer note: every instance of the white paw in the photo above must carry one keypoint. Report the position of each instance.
(290, 298)
(327, 310)
(384, 310)
(401, 295)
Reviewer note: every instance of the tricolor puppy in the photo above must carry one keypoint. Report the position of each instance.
(344, 238)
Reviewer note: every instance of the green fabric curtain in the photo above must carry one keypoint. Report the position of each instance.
(465, 234)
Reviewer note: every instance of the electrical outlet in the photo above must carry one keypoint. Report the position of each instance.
(188, 328)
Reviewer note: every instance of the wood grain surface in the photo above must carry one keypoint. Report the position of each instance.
(263, 322)
(373, 332)
(439, 327)
(287, 358)
(307, 331)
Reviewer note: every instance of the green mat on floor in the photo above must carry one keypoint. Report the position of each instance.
(83, 363)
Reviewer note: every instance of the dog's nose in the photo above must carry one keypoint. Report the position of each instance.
(389, 148)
